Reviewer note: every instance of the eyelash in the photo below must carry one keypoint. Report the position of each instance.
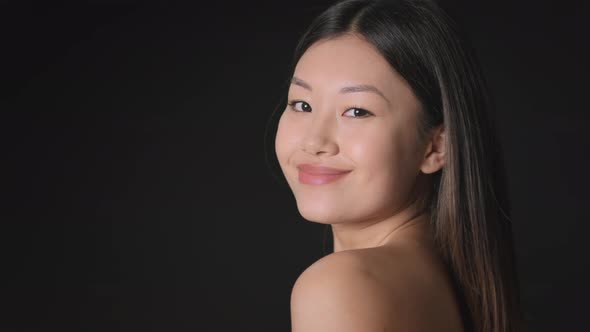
(293, 102)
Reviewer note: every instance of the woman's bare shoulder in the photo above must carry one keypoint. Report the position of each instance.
(374, 289)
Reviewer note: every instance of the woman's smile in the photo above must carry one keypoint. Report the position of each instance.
(306, 177)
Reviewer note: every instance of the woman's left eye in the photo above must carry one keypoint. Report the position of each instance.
(358, 112)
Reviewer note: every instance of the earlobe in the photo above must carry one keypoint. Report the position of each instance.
(434, 158)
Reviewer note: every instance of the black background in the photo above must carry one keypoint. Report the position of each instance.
(136, 192)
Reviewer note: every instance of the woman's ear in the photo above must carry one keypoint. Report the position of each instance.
(434, 157)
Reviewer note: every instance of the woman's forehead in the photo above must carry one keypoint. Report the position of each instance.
(343, 60)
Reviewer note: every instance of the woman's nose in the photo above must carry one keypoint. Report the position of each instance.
(320, 136)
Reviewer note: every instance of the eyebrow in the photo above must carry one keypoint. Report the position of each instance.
(347, 89)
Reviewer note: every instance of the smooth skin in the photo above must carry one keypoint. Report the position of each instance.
(384, 274)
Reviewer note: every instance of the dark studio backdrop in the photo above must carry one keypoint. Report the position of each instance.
(136, 194)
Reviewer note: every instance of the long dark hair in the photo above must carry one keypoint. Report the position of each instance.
(469, 206)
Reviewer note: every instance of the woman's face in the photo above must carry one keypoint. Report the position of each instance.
(332, 81)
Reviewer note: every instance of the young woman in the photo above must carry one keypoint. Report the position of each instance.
(387, 137)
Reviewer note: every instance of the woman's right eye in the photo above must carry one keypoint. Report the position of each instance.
(303, 108)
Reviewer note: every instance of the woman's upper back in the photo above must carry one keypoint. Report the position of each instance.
(397, 287)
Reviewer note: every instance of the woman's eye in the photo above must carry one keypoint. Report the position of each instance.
(358, 112)
(304, 106)
(301, 106)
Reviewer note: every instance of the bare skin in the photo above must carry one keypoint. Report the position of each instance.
(400, 285)
(384, 274)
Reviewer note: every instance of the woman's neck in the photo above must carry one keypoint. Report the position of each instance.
(410, 224)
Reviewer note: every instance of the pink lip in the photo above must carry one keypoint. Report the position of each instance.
(310, 174)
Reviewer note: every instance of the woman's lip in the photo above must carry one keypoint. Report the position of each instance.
(316, 179)
(320, 170)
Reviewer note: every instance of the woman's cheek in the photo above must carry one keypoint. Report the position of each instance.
(281, 140)
(369, 144)
(286, 137)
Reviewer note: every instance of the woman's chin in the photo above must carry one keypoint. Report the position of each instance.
(318, 212)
